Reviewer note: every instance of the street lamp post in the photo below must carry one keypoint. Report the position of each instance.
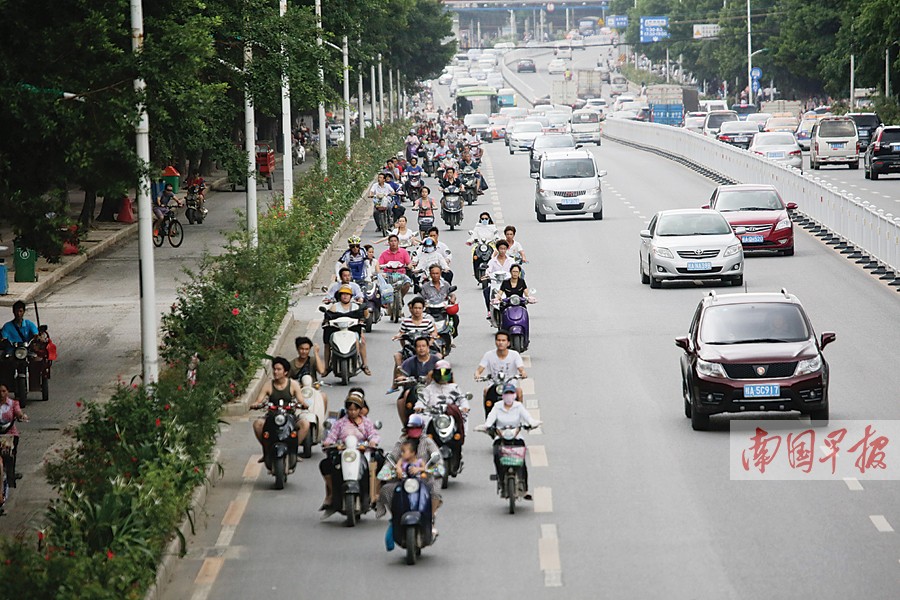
(380, 90)
(323, 142)
(375, 119)
(346, 51)
(360, 92)
(288, 166)
(250, 149)
(749, 56)
(390, 94)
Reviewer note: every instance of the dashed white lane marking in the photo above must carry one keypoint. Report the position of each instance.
(538, 456)
(853, 484)
(548, 553)
(535, 412)
(881, 524)
(531, 403)
(526, 361)
(543, 500)
(527, 386)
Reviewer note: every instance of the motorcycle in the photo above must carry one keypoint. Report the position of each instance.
(482, 252)
(383, 214)
(413, 185)
(195, 210)
(430, 165)
(372, 295)
(280, 440)
(495, 391)
(416, 387)
(345, 359)
(444, 326)
(442, 427)
(514, 319)
(314, 415)
(411, 516)
(355, 470)
(425, 223)
(395, 306)
(512, 483)
(452, 207)
(469, 178)
(25, 366)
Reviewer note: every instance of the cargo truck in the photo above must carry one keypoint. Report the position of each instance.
(669, 103)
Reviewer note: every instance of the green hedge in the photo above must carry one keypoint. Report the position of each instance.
(127, 481)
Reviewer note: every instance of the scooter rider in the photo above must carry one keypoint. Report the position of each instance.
(441, 389)
(397, 209)
(396, 254)
(501, 359)
(421, 364)
(515, 251)
(352, 423)
(382, 196)
(484, 231)
(10, 412)
(280, 387)
(429, 256)
(437, 290)
(499, 264)
(444, 250)
(344, 280)
(419, 323)
(345, 305)
(20, 330)
(451, 178)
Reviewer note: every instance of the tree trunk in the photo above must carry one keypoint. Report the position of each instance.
(87, 210)
(109, 208)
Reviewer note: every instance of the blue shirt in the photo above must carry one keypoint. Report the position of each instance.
(415, 169)
(11, 332)
(356, 263)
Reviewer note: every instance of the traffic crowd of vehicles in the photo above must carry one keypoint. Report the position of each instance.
(410, 285)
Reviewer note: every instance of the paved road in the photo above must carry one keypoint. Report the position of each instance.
(884, 193)
(630, 502)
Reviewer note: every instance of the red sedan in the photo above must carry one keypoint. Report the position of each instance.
(758, 216)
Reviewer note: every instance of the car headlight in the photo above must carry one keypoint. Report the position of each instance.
(785, 223)
(280, 420)
(810, 365)
(593, 190)
(411, 485)
(662, 252)
(710, 369)
(732, 249)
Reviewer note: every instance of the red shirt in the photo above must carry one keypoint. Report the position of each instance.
(401, 256)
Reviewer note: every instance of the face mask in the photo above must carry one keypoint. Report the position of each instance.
(508, 400)
(485, 221)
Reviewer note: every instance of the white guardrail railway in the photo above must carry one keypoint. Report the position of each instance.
(854, 227)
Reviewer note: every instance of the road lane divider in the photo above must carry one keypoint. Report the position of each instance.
(881, 523)
(548, 555)
(527, 386)
(543, 500)
(853, 484)
(538, 455)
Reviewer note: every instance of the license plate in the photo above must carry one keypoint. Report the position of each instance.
(740, 138)
(762, 390)
(752, 239)
(570, 201)
(775, 154)
(699, 266)
(839, 146)
(895, 146)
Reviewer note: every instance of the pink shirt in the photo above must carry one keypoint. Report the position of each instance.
(401, 256)
(10, 411)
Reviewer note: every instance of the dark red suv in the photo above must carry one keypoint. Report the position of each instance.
(753, 352)
(883, 154)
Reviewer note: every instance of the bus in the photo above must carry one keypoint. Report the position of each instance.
(588, 25)
(476, 99)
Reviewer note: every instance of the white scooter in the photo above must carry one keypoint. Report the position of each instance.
(314, 415)
(356, 486)
(345, 361)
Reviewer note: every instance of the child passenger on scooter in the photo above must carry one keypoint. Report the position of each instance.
(409, 460)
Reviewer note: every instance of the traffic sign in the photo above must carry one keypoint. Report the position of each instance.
(550, 7)
(755, 85)
(617, 21)
(654, 29)
(756, 73)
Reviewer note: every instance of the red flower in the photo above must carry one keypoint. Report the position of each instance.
(134, 459)
(235, 311)
(158, 422)
(40, 536)
(166, 407)
(109, 554)
(78, 403)
(235, 294)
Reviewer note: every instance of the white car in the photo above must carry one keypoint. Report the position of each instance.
(521, 137)
(690, 244)
(495, 80)
(621, 100)
(445, 79)
(564, 53)
(778, 146)
(556, 66)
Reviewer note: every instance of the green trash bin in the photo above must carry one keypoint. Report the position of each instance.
(25, 263)
(171, 175)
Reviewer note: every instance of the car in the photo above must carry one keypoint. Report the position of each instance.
(545, 142)
(866, 124)
(334, 135)
(568, 183)
(526, 65)
(833, 140)
(693, 121)
(753, 352)
(556, 66)
(586, 125)
(478, 73)
(643, 114)
(714, 120)
(743, 109)
(759, 119)
(621, 100)
(523, 134)
(628, 115)
(495, 80)
(737, 133)
(786, 124)
(564, 53)
(690, 244)
(511, 124)
(803, 130)
(778, 146)
(445, 79)
(479, 123)
(883, 154)
(757, 215)
(557, 122)
(498, 126)
(711, 105)
(596, 104)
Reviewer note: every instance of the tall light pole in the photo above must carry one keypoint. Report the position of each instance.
(288, 166)
(749, 57)
(360, 92)
(375, 119)
(250, 149)
(887, 72)
(323, 142)
(390, 94)
(149, 343)
(347, 97)
(380, 90)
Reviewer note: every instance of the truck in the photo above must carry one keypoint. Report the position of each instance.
(563, 92)
(590, 83)
(793, 108)
(669, 103)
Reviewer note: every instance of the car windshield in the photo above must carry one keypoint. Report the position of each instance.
(527, 127)
(569, 168)
(715, 121)
(730, 200)
(890, 136)
(757, 322)
(589, 117)
(774, 139)
(806, 124)
(837, 128)
(868, 121)
(619, 80)
(476, 120)
(706, 223)
(782, 122)
(694, 121)
(526, 63)
(554, 141)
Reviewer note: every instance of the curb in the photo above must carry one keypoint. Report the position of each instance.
(172, 552)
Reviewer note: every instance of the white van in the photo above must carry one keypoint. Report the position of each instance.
(586, 126)
(617, 84)
(711, 105)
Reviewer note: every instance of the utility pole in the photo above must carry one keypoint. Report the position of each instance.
(250, 149)
(749, 58)
(288, 162)
(375, 119)
(852, 80)
(380, 90)
(323, 142)
(390, 94)
(347, 96)
(149, 343)
(360, 92)
(887, 72)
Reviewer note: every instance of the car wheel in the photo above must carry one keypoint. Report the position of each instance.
(737, 281)
(511, 151)
(686, 395)
(645, 279)
(819, 418)
(655, 283)
(598, 216)
(866, 171)
(542, 218)
(699, 422)
(788, 252)
(873, 175)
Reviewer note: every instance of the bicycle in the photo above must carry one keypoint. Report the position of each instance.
(170, 228)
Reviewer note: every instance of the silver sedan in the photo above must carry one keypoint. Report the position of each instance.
(778, 146)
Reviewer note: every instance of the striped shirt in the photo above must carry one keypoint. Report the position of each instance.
(424, 328)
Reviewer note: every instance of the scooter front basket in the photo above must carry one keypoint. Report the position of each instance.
(512, 456)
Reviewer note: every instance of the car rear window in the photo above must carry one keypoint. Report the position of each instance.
(754, 322)
(554, 141)
(715, 121)
(476, 120)
(890, 136)
(708, 223)
(568, 168)
(728, 200)
(775, 139)
(781, 121)
(837, 129)
(590, 117)
(869, 121)
(528, 126)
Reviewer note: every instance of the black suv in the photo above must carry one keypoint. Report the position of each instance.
(753, 352)
(866, 124)
(883, 154)
(526, 65)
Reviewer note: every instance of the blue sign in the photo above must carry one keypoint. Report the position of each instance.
(756, 73)
(604, 4)
(755, 85)
(617, 21)
(654, 29)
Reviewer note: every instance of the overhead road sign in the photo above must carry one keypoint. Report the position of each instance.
(654, 29)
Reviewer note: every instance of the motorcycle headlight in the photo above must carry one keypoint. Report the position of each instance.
(411, 485)
(442, 422)
(21, 353)
(662, 252)
(810, 365)
(307, 393)
(483, 247)
(732, 249)
(785, 223)
(350, 455)
(515, 301)
(280, 420)
(508, 434)
(710, 369)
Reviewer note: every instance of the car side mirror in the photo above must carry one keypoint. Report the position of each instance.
(683, 342)
(378, 424)
(706, 206)
(645, 233)
(827, 338)
(792, 206)
(534, 175)
(601, 173)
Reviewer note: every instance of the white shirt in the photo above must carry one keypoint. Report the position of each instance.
(387, 192)
(514, 416)
(510, 365)
(424, 260)
(484, 233)
(431, 395)
(496, 267)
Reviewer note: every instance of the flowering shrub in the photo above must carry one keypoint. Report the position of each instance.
(127, 481)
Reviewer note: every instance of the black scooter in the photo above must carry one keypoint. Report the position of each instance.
(411, 517)
(280, 446)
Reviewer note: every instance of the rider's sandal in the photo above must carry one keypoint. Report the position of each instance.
(366, 370)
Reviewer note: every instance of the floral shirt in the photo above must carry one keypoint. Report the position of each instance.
(343, 428)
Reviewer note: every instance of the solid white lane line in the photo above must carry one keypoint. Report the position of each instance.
(853, 484)
(881, 524)
(538, 456)
(548, 553)
(543, 500)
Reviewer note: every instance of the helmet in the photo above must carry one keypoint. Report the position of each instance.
(428, 242)
(354, 240)
(415, 421)
(355, 397)
(453, 309)
(412, 132)
(444, 375)
(345, 289)
(509, 388)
